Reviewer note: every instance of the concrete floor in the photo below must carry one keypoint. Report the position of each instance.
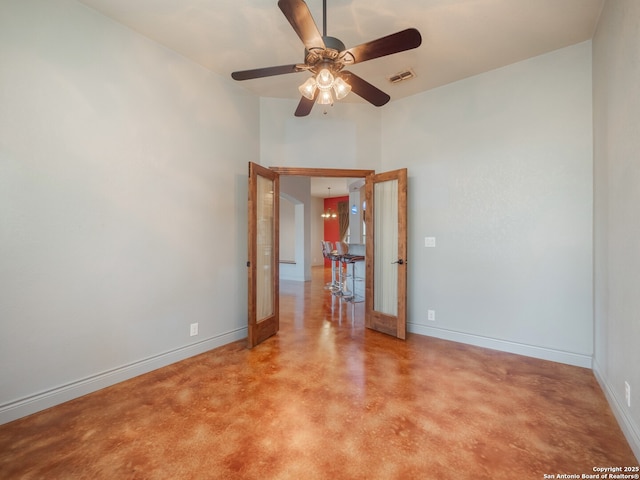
(327, 399)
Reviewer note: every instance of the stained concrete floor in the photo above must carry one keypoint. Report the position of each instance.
(327, 399)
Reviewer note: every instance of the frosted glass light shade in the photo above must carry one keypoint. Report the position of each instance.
(308, 88)
(325, 97)
(324, 79)
(341, 88)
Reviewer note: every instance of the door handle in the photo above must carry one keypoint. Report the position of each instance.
(399, 262)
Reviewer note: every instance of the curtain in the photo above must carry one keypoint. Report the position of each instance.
(343, 219)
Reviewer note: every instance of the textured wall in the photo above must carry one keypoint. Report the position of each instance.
(500, 172)
(348, 136)
(123, 173)
(616, 76)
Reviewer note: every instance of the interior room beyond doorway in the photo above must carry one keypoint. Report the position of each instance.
(313, 210)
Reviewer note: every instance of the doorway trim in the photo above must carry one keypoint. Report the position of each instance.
(322, 172)
(370, 177)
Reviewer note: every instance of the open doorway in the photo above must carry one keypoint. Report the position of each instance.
(314, 210)
(386, 248)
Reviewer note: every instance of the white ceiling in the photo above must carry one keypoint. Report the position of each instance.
(460, 38)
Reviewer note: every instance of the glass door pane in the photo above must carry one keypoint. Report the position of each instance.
(386, 253)
(263, 275)
(265, 261)
(386, 247)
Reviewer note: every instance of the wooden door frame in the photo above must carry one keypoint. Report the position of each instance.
(322, 172)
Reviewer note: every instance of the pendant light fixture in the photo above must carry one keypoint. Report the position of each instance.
(328, 213)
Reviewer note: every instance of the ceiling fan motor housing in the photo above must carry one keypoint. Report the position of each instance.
(326, 56)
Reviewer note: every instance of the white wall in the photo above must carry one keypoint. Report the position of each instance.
(616, 76)
(123, 173)
(500, 172)
(287, 229)
(298, 190)
(348, 136)
(355, 219)
(317, 231)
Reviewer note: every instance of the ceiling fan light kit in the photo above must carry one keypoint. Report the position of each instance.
(326, 57)
(326, 82)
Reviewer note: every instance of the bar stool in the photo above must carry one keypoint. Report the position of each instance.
(342, 250)
(326, 254)
(329, 253)
(346, 260)
(353, 260)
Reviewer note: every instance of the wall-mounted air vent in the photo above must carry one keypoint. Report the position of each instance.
(401, 76)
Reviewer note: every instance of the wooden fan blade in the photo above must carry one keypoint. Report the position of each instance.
(364, 89)
(302, 22)
(305, 106)
(394, 43)
(265, 72)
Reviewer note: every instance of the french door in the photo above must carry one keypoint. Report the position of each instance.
(386, 253)
(264, 263)
(386, 248)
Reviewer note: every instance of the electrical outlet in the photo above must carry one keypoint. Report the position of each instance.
(193, 331)
(430, 242)
(627, 393)
(431, 315)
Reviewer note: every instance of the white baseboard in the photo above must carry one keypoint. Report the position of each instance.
(55, 396)
(629, 428)
(569, 358)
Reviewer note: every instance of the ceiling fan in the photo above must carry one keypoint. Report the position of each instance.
(325, 57)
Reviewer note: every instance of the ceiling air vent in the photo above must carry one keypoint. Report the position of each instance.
(401, 76)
